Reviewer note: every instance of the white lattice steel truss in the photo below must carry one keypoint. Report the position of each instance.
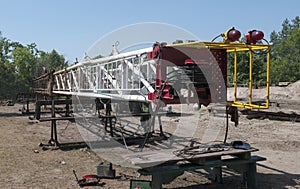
(123, 76)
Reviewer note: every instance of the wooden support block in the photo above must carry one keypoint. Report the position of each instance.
(217, 171)
(251, 176)
(156, 182)
(245, 155)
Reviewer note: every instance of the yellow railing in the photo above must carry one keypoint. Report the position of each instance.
(250, 104)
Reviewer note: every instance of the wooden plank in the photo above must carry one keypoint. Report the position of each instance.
(145, 159)
(56, 119)
(56, 102)
(190, 166)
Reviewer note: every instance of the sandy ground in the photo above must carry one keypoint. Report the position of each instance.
(25, 165)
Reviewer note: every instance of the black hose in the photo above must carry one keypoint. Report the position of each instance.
(227, 124)
(216, 38)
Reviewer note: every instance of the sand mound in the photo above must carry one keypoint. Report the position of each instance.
(291, 92)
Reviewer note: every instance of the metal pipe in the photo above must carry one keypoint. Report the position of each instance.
(250, 76)
(268, 78)
(235, 76)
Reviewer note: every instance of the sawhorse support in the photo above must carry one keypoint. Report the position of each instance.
(53, 141)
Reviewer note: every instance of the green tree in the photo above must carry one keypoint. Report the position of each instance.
(50, 61)
(19, 64)
(7, 75)
(258, 67)
(285, 65)
(24, 61)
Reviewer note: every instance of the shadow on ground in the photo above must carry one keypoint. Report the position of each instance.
(277, 180)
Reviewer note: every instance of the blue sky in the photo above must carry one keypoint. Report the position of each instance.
(72, 26)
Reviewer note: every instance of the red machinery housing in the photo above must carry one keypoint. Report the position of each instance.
(190, 69)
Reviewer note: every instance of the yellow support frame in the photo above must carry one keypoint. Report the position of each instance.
(235, 48)
(250, 104)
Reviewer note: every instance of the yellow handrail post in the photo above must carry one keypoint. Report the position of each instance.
(268, 78)
(250, 76)
(234, 76)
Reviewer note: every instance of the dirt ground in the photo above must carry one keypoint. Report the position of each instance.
(24, 164)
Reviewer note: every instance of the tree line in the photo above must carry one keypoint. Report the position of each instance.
(19, 64)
